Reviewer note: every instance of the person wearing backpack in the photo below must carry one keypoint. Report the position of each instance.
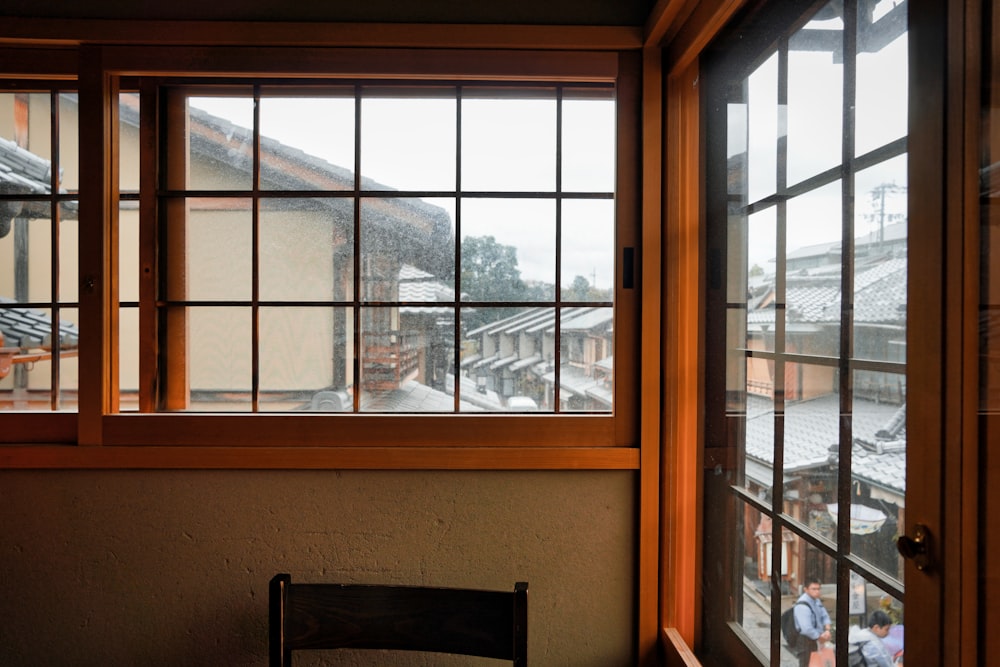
(865, 644)
(812, 621)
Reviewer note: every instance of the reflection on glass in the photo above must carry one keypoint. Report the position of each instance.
(219, 144)
(307, 143)
(408, 143)
(815, 100)
(763, 129)
(508, 249)
(586, 360)
(219, 236)
(509, 145)
(588, 144)
(219, 354)
(876, 622)
(507, 359)
(588, 250)
(128, 359)
(296, 377)
(306, 249)
(881, 101)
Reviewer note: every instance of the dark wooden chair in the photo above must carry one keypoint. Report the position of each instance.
(492, 624)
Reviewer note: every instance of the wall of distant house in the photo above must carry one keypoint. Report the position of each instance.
(171, 567)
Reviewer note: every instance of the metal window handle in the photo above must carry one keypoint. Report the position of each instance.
(916, 548)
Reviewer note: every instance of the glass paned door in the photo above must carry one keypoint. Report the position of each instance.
(807, 380)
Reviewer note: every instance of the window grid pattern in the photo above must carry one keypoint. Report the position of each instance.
(365, 317)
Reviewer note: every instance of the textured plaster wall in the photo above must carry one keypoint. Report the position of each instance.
(171, 567)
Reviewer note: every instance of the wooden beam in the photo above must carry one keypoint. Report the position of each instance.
(71, 32)
(650, 342)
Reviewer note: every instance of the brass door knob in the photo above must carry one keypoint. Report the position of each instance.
(916, 548)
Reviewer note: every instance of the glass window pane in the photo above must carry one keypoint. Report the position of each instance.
(878, 467)
(309, 375)
(407, 363)
(307, 142)
(508, 249)
(69, 242)
(128, 359)
(812, 580)
(69, 362)
(307, 249)
(813, 272)
(751, 277)
(811, 427)
(128, 251)
(507, 359)
(588, 144)
(218, 248)
(755, 592)
(26, 253)
(218, 144)
(403, 232)
(815, 100)
(508, 144)
(763, 129)
(220, 356)
(757, 431)
(69, 143)
(881, 101)
(408, 143)
(876, 623)
(128, 142)
(881, 261)
(588, 250)
(586, 359)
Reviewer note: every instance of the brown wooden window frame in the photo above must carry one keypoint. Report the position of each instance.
(602, 440)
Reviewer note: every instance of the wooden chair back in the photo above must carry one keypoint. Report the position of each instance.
(491, 624)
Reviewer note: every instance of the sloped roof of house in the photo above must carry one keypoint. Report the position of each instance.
(812, 427)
